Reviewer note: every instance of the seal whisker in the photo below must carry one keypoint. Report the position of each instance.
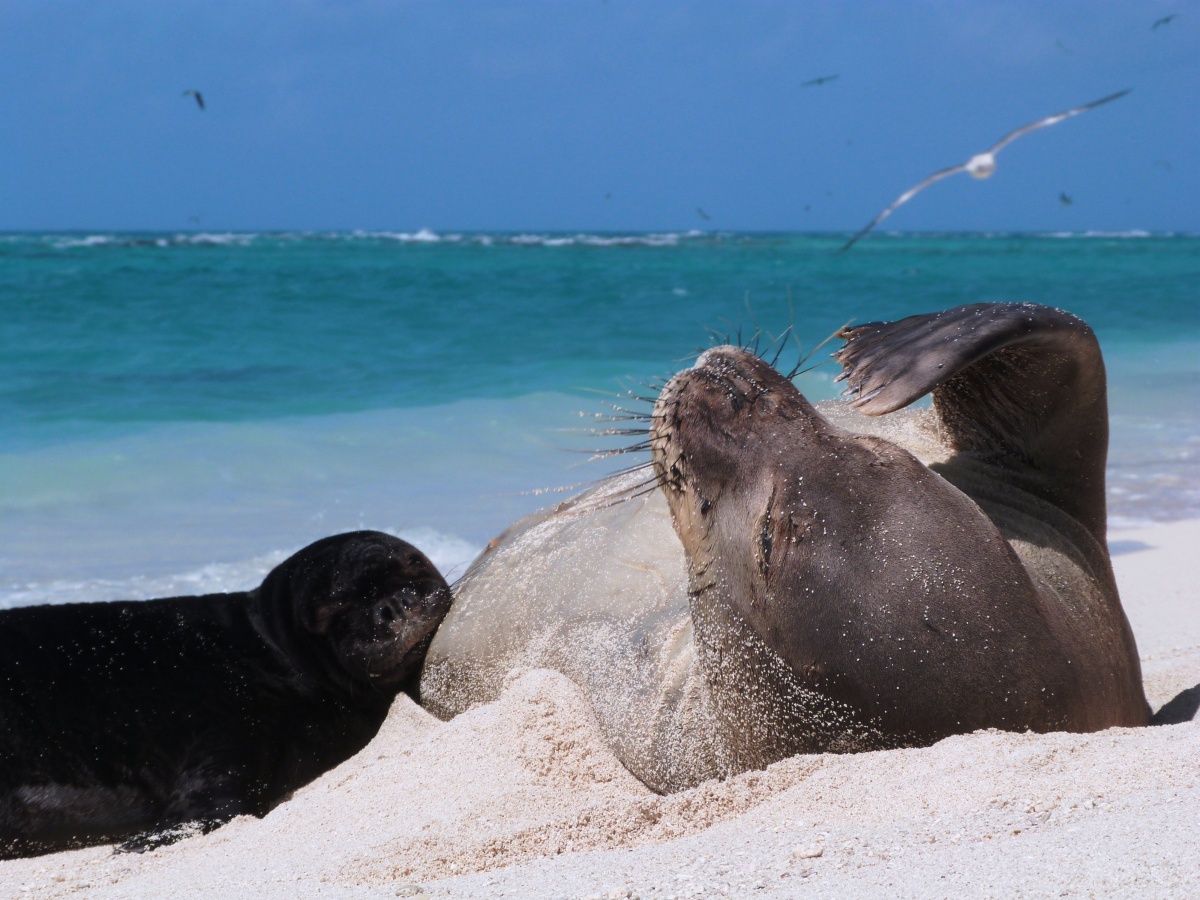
(629, 418)
(782, 345)
(628, 395)
(605, 432)
(537, 492)
(620, 451)
(824, 362)
(621, 409)
(641, 445)
(648, 488)
(799, 365)
(757, 328)
(623, 496)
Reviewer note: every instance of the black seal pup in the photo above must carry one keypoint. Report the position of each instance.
(143, 721)
(796, 579)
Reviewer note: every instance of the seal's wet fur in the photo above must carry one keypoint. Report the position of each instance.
(139, 721)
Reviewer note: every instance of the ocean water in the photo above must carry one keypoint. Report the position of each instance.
(180, 411)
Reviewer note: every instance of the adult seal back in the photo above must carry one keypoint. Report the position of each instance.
(143, 721)
(851, 577)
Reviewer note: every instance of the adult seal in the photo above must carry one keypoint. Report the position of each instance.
(143, 721)
(807, 579)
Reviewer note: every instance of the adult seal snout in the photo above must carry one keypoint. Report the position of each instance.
(143, 721)
(847, 579)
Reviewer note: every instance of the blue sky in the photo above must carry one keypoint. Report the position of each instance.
(596, 115)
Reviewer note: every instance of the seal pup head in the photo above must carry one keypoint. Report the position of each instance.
(360, 608)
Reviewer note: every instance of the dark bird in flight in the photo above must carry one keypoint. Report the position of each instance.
(1165, 20)
(199, 98)
(705, 216)
(981, 165)
(1163, 164)
(1061, 46)
(1064, 199)
(817, 82)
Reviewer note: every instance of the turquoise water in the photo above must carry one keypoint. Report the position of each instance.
(180, 409)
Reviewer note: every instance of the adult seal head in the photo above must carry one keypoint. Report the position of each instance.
(842, 578)
(144, 721)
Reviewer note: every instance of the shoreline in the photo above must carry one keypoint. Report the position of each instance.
(520, 798)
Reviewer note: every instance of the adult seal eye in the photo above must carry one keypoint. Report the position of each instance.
(906, 552)
(164, 717)
(765, 542)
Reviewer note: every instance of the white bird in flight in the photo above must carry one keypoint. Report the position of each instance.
(981, 165)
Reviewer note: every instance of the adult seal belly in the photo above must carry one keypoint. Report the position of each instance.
(143, 721)
(813, 579)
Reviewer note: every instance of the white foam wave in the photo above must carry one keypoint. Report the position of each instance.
(526, 239)
(666, 239)
(92, 240)
(210, 579)
(450, 554)
(221, 239)
(422, 236)
(1132, 233)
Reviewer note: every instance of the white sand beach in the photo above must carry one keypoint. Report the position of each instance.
(521, 798)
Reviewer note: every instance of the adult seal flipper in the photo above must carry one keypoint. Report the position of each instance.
(1015, 385)
(1020, 398)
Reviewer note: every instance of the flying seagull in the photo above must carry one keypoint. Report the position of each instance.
(1165, 20)
(1064, 199)
(705, 216)
(981, 165)
(199, 98)
(817, 82)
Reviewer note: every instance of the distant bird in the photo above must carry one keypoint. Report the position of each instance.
(1163, 164)
(1165, 20)
(705, 216)
(1061, 46)
(199, 98)
(608, 196)
(817, 82)
(1064, 199)
(981, 165)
